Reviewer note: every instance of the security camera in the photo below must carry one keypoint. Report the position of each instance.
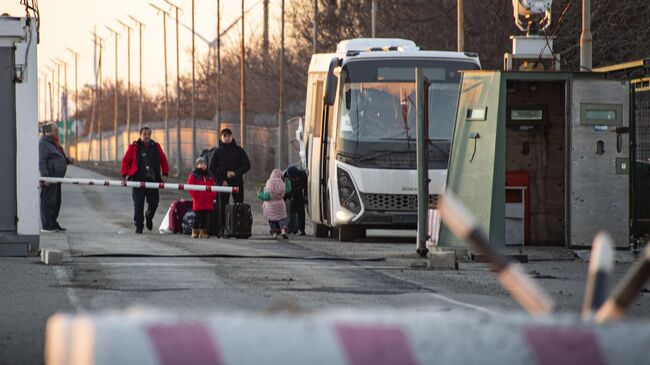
(532, 15)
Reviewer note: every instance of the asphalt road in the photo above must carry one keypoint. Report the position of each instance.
(107, 266)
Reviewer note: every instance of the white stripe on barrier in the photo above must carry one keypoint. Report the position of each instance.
(141, 184)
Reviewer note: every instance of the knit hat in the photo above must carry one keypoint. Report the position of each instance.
(200, 160)
(226, 131)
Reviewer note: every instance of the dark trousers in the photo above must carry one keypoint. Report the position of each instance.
(152, 197)
(296, 216)
(224, 199)
(50, 205)
(200, 219)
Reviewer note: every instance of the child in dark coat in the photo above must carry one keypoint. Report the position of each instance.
(202, 201)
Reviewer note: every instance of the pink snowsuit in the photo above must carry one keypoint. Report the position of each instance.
(275, 209)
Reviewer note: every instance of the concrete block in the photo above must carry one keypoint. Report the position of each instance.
(51, 257)
(445, 260)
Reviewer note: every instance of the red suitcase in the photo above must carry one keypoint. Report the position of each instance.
(177, 212)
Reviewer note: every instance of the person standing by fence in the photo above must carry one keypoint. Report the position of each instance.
(145, 161)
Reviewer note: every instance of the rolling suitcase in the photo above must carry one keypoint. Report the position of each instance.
(239, 220)
(177, 212)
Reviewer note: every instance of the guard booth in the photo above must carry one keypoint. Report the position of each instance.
(560, 139)
(19, 194)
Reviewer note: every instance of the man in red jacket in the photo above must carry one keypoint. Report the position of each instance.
(145, 161)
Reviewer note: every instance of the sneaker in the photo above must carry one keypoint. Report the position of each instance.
(274, 235)
(150, 223)
(285, 234)
(48, 230)
(59, 228)
(138, 230)
(302, 233)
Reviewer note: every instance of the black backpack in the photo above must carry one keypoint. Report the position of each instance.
(207, 156)
(188, 222)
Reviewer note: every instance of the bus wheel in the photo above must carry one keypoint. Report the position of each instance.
(321, 230)
(347, 233)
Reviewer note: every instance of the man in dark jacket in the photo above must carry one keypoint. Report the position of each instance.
(52, 162)
(145, 161)
(296, 199)
(228, 165)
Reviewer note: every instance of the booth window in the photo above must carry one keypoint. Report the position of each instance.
(527, 115)
(601, 114)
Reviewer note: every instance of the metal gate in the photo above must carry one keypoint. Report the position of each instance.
(640, 171)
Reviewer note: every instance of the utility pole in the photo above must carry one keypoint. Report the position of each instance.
(282, 131)
(58, 91)
(128, 82)
(165, 14)
(100, 127)
(76, 106)
(179, 154)
(97, 43)
(374, 19)
(140, 25)
(265, 33)
(242, 83)
(117, 157)
(422, 146)
(65, 99)
(52, 117)
(461, 26)
(314, 40)
(193, 89)
(586, 41)
(218, 73)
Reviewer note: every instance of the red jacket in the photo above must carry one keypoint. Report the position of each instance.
(130, 161)
(201, 200)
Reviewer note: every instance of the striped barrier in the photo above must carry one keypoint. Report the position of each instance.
(140, 184)
(379, 337)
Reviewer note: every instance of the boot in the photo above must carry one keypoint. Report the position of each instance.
(195, 233)
(204, 233)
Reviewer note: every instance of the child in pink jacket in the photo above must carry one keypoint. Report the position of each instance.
(274, 208)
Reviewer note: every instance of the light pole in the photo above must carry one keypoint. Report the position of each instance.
(179, 154)
(314, 40)
(461, 26)
(193, 89)
(140, 25)
(64, 96)
(128, 81)
(165, 14)
(218, 73)
(374, 19)
(242, 83)
(76, 106)
(115, 96)
(282, 132)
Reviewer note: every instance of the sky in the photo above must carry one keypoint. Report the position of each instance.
(69, 24)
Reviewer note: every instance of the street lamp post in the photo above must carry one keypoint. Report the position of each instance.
(117, 158)
(165, 14)
(76, 106)
(128, 81)
(179, 153)
(140, 25)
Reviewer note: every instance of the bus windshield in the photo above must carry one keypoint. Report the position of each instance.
(377, 114)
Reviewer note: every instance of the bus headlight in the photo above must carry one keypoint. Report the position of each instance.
(348, 195)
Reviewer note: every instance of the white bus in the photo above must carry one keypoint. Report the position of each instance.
(358, 141)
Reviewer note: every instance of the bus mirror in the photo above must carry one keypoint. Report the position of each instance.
(330, 82)
(348, 99)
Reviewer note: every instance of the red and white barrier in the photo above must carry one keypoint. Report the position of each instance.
(379, 337)
(140, 184)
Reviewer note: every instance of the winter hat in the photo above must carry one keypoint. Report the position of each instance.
(226, 131)
(200, 160)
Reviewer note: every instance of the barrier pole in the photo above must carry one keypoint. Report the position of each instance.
(140, 184)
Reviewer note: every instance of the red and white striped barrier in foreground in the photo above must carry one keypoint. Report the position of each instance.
(140, 184)
(366, 337)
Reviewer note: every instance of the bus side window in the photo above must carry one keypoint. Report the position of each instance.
(317, 111)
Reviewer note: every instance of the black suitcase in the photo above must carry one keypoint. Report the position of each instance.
(239, 220)
(213, 221)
